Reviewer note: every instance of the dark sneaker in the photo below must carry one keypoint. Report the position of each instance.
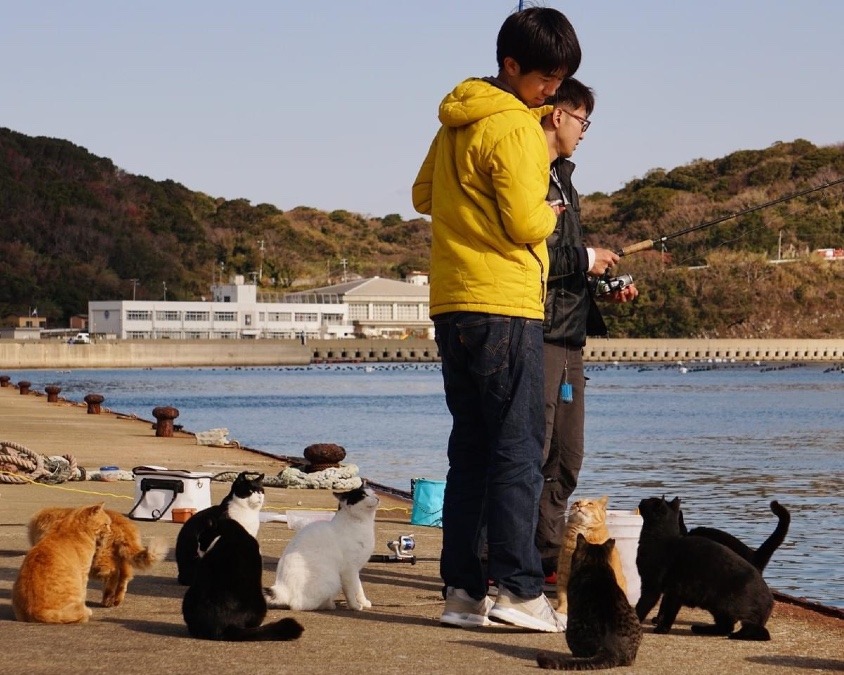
(551, 584)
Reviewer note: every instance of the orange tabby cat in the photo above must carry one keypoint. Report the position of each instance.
(589, 518)
(117, 554)
(53, 579)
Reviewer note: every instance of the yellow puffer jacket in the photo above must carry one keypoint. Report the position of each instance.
(484, 183)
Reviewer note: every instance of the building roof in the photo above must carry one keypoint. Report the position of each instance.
(372, 287)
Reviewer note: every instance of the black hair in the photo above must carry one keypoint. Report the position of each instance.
(573, 93)
(539, 39)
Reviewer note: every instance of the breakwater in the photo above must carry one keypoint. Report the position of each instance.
(18, 354)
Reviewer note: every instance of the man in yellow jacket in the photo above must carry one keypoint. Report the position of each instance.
(484, 183)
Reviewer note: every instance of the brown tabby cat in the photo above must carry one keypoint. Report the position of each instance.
(118, 554)
(53, 579)
(589, 518)
(603, 630)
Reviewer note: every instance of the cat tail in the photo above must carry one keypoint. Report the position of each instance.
(146, 557)
(599, 661)
(285, 629)
(766, 550)
(277, 596)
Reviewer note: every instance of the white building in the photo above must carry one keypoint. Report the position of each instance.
(364, 308)
(378, 307)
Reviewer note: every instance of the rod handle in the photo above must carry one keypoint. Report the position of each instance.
(645, 245)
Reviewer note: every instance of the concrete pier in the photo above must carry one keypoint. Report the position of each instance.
(22, 354)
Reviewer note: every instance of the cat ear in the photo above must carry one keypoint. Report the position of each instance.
(675, 504)
(609, 544)
(603, 500)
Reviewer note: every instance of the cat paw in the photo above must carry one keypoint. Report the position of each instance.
(365, 604)
(661, 629)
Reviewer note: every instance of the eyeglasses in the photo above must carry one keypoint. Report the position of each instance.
(584, 123)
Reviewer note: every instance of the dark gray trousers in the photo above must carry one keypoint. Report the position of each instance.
(563, 451)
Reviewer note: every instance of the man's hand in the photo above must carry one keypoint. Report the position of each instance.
(604, 260)
(626, 294)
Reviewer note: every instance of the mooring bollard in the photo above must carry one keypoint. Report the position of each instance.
(164, 414)
(323, 456)
(4, 380)
(94, 401)
(24, 386)
(53, 391)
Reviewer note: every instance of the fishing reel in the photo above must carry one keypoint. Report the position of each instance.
(400, 548)
(607, 284)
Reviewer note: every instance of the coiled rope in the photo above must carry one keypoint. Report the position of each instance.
(342, 478)
(19, 464)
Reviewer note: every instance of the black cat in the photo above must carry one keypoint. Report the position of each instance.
(697, 572)
(243, 504)
(226, 601)
(758, 558)
(603, 630)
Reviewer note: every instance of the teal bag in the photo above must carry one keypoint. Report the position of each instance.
(427, 502)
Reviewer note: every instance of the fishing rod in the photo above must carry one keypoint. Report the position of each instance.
(648, 244)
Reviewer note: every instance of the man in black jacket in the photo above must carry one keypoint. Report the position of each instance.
(570, 315)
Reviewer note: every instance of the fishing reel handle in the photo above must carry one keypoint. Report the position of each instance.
(645, 245)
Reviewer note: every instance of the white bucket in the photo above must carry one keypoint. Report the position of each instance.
(624, 527)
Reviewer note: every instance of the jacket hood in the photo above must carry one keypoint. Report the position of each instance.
(475, 99)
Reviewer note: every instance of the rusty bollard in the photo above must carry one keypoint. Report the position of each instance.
(94, 401)
(323, 456)
(4, 380)
(24, 386)
(53, 391)
(164, 414)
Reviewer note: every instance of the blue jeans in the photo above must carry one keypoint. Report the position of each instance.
(493, 377)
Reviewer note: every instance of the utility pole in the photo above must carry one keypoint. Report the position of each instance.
(164, 283)
(261, 264)
(779, 247)
(344, 262)
(134, 286)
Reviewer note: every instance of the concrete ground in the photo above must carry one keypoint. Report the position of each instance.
(400, 633)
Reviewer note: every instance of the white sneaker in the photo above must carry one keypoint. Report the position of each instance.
(535, 614)
(463, 611)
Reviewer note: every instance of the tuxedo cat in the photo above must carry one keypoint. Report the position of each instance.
(603, 630)
(225, 600)
(697, 572)
(758, 558)
(326, 557)
(242, 504)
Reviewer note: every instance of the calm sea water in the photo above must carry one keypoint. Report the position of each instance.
(727, 439)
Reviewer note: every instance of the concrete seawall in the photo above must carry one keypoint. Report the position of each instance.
(23, 354)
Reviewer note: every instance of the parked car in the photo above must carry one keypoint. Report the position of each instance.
(81, 339)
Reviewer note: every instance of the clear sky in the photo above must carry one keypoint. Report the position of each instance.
(332, 103)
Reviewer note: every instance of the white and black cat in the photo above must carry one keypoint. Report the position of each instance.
(697, 572)
(603, 630)
(242, 504)
(327, 556)
(225, 600)
(759, 557)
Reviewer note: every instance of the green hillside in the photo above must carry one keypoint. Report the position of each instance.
(74, 227)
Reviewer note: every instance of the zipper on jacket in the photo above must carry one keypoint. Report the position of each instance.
(541, 274)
